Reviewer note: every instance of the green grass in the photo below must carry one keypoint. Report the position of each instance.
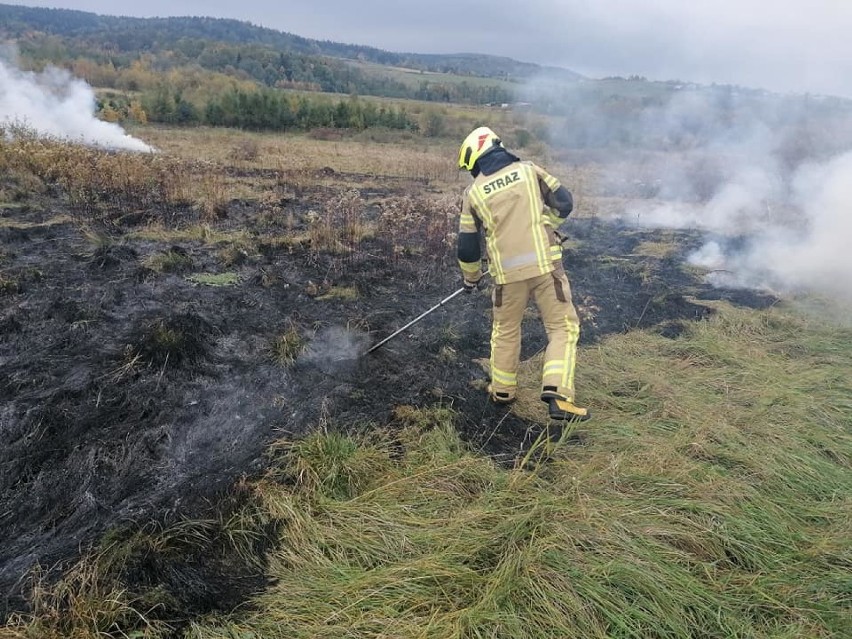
(228, 278)
(414, 77)
(710, 498)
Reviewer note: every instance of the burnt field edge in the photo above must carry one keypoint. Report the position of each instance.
(147, 384)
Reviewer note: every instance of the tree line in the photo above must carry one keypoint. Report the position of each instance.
(261, 109)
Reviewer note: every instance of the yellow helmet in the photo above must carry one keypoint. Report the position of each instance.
(479, 142)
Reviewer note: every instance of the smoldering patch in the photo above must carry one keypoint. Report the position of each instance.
(335, 350)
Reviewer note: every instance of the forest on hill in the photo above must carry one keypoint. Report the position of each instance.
(270, 57)
(150, 33)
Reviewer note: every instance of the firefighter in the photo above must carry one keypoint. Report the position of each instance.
(518, 206)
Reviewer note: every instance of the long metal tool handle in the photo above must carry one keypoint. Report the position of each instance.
(416, 319)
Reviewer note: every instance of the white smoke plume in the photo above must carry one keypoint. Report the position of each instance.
(803, 249)
(774, 199)
(813, 255)
(335, 350)
(55, 104)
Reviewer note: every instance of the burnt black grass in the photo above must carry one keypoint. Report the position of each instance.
(708, 497)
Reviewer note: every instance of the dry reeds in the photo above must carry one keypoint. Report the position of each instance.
(110, 187)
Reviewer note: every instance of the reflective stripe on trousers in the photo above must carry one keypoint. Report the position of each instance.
(552, 295)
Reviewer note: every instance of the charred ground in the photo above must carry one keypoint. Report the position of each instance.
(142, 372)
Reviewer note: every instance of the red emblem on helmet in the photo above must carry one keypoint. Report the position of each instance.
(482, 139)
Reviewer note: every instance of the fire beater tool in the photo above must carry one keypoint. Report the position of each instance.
(560, 238)
(416, 319)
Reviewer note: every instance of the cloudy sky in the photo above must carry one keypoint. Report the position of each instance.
(783, 45)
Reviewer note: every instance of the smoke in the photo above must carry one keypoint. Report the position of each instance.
(335, 350)
(754, 242)
(768, 179)
(54, 103)
(794, 46)
(814, 254)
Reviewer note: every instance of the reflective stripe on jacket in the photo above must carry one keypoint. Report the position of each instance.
(518, 231)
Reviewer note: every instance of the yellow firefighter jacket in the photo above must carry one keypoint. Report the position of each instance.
(509, 206)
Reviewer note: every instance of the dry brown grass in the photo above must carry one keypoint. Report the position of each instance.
(294, 153)
(347, 293)
(99, 184)
(170, 261)
(660, 249)
(108, 187)
(13, 223)
(203, 233)
(420, 225)
(272, 166)
(85, 603)
(362, 160)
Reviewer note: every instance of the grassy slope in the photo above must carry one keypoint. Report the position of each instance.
(413, 77)
(711, 499)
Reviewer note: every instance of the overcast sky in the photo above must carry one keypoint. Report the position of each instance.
(783, 45)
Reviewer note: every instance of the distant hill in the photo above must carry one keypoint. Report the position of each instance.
(133, 34)
(191, 70)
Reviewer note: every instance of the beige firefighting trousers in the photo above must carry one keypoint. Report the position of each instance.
(552, 295)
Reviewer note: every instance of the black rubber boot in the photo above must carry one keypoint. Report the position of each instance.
(500, 397)
(564, 410)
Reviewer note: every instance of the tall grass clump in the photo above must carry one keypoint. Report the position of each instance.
(287, 345)
(144, 581)
(98, 183)
(86, 603)
(341, 227)
(173, 260)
